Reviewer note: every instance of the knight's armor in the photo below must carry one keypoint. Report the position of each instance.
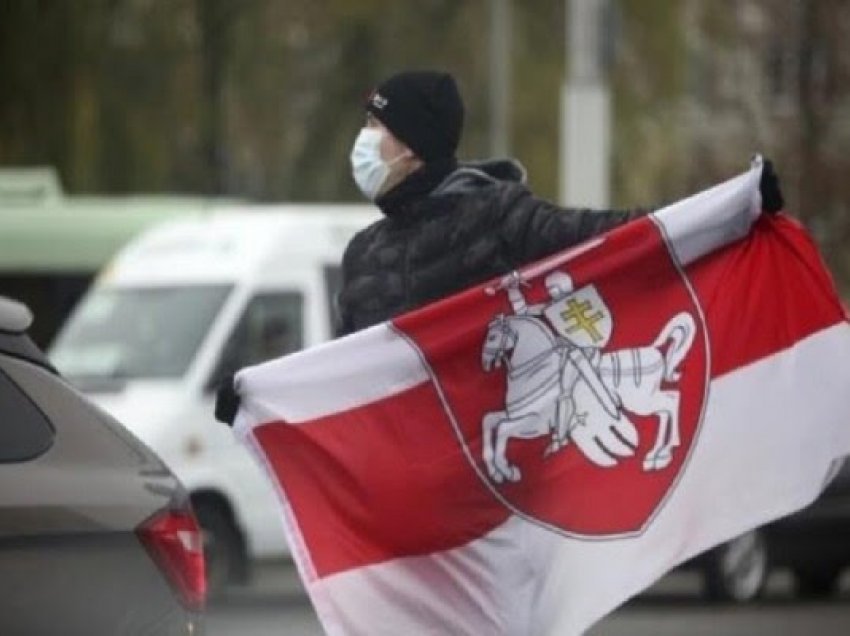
(559, 285)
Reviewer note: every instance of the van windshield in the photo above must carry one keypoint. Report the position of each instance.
(120, 334)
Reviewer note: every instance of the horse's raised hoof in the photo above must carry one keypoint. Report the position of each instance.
(659, 461)
(494, 474)
(663, 460)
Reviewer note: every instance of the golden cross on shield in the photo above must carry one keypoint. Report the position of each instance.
(578, 313)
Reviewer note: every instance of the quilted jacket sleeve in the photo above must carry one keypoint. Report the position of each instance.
(533, 228)
(343, 321)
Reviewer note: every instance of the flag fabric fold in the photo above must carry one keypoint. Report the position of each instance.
(523, 457)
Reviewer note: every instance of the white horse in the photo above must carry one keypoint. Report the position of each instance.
(539, 402)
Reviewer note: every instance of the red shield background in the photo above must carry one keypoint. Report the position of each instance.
(639, 281)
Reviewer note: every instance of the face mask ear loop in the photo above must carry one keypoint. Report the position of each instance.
(389, 164)
(398, 157)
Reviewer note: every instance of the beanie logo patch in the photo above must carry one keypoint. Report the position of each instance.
(379, 101)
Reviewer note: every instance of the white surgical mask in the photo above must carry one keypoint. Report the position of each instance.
(370, 171)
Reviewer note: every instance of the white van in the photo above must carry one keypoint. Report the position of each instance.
(180, 307)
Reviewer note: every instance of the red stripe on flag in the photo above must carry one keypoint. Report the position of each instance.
(378, 482)
(763, 294)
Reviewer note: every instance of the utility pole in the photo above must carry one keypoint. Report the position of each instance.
(500, 77)
(585, 164)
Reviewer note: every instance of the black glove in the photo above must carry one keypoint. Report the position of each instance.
(771, 196)
(226, 401)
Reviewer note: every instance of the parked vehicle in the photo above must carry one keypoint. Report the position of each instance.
(96, 534)
(178, 309)
(813, 543)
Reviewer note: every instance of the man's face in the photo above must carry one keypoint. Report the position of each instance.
(390, 146)
(401, 158)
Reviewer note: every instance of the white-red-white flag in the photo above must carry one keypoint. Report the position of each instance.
(521, 458)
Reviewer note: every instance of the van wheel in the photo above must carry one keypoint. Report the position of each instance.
(737, 570)
(814, 582)
(223, 552)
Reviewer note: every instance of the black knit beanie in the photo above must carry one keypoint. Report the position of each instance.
(423, 109)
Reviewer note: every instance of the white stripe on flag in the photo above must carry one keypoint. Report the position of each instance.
(714, 217)
(367, 366)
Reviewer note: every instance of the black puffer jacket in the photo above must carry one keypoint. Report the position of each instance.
(447, 228)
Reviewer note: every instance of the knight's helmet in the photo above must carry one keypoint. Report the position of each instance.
(558, 284)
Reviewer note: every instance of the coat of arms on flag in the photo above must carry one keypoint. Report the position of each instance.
(595, 382)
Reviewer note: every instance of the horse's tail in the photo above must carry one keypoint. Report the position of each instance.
(681, 329)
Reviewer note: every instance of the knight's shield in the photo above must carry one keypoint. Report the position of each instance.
(581, 317)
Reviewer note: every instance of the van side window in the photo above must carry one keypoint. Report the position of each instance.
(25, 432)
(271, 326)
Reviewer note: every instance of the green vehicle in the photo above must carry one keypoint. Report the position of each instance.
(52, 246)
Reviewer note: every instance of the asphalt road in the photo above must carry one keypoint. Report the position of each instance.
(275, 604)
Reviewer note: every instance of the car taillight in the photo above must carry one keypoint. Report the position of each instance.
(173, 538)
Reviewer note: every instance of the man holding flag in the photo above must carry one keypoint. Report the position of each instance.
(446, 226)
(431, 482)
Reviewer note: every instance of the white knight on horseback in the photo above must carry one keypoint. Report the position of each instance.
(560, 383)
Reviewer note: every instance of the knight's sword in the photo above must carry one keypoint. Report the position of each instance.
(547, 264)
